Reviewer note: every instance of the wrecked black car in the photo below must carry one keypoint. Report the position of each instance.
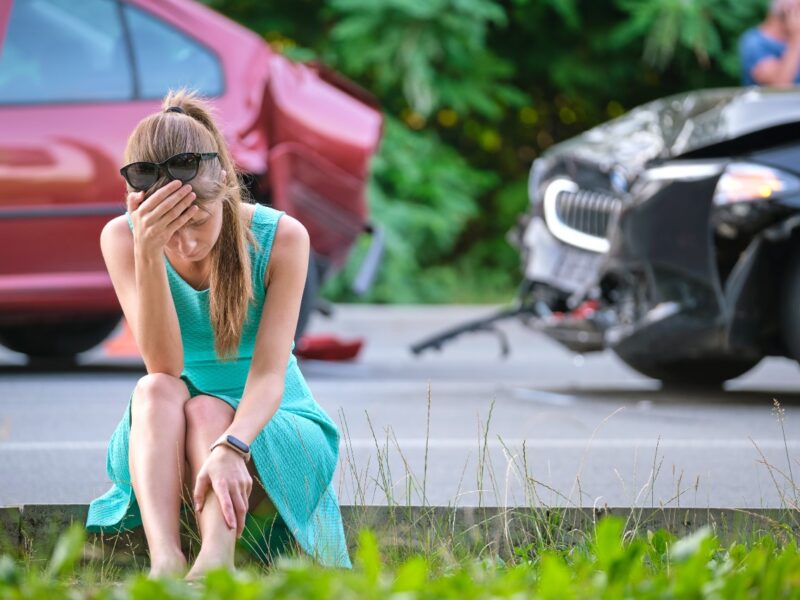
(670, 235)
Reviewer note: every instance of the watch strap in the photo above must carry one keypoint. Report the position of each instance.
(223, 441)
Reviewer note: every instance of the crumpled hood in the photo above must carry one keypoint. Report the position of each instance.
(672, 126)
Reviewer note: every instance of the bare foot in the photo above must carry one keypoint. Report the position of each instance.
(174, 566)
(204, 564)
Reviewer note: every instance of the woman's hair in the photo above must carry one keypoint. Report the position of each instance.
(164, 134)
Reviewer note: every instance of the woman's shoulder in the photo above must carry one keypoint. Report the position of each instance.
(265, 216)
(265, 226)
(290, 247)
(290, 231)
(116, 245)
(117, 233)
(756, 39)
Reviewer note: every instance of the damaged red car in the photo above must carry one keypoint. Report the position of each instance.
(76, 77)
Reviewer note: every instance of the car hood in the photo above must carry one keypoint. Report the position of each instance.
(676, 125)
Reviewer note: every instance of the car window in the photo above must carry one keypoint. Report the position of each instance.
(62, 50)
(167, 58)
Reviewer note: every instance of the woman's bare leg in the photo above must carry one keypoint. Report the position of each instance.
(156, 459)
(206, 418)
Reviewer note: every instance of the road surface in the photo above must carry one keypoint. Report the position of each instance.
(461, 427)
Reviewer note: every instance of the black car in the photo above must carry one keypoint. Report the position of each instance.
(670, 235)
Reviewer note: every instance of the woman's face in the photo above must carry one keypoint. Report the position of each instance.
(193, 242)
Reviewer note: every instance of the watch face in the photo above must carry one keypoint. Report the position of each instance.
(238, 443)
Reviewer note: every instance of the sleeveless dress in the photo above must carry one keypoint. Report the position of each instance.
(295, 454)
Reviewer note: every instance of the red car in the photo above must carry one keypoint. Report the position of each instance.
(76, 77)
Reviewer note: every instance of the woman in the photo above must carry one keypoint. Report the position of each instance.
(224, 414)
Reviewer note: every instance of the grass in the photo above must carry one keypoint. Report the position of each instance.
(535, 520)
(609, 564)
(410, 549)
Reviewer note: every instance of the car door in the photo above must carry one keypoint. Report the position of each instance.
(65, 82)
(69, 98)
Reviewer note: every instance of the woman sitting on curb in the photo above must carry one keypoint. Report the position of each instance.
(224, 405)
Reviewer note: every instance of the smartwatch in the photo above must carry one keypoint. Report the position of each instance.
(235, 444)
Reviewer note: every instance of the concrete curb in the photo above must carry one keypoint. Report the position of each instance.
(35, 528)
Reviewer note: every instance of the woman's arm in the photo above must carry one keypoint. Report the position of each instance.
(779, 72)
(286, 279)
(139, 277)
(286, 276)
(143, 292)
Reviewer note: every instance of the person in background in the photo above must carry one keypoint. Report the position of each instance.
(770, 52)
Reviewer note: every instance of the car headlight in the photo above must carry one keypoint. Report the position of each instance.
(748, 182)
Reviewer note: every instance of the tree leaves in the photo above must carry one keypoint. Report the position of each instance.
(459, 73)
(666, 26)
(433, 52)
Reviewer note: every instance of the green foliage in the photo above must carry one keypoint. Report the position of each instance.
(609, 566)
(433, 52)
(701, 27)
(423, 194)
(483, 87)
(368, 557)
(67, 551)
(10, 572)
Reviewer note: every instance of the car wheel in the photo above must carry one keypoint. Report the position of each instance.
(309, 300)
(57, 340)
(691, 372)
(790, 306)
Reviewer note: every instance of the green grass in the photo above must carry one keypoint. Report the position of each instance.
(410, 549)
(608, 565)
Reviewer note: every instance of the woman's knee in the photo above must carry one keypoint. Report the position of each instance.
(156, 392)
(204, 410)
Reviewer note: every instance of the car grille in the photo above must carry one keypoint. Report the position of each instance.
(586, 211)
(580, 217)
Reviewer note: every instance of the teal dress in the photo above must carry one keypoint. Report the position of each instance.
(295, 454)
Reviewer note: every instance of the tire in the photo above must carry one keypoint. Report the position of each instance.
(59, 339)
(309, 300)
(691, 372)
(790, 306)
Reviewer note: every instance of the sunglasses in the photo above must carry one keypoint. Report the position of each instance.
(184, 166)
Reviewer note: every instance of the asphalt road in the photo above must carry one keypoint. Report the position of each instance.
(460, 427)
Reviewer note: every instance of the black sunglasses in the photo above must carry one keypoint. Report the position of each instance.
(183, 166)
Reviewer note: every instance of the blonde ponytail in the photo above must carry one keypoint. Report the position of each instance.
(164, 134)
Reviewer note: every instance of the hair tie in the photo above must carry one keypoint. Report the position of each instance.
(177, 109)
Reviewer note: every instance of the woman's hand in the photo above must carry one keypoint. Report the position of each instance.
(226, 472)
(158, 217)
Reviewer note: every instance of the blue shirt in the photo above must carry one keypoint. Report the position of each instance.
(755, 46)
